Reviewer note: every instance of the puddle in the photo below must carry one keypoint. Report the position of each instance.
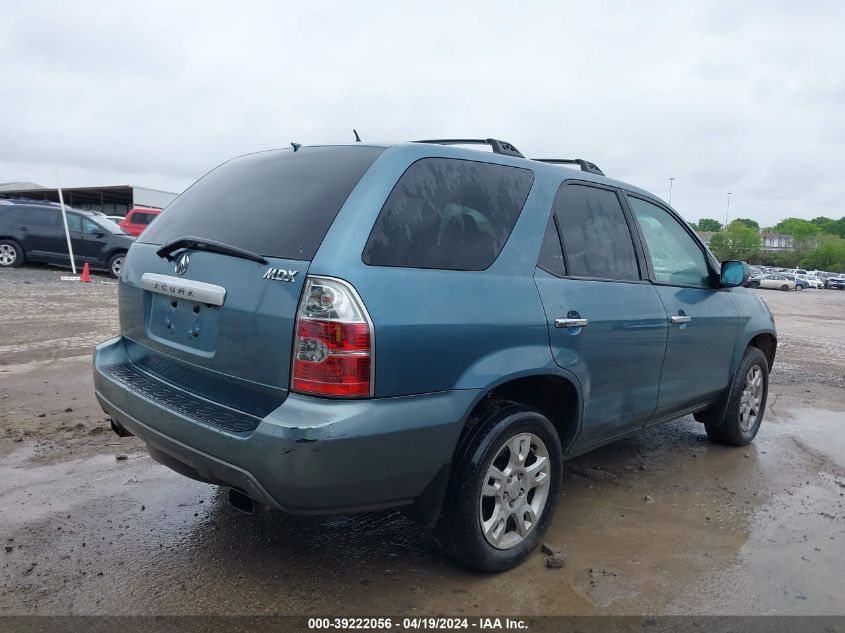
(34, 492)
(820, 431)
(662, 523)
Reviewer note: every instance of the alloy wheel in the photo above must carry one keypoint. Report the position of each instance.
(515, 491)
(8, 254)
(752, 395)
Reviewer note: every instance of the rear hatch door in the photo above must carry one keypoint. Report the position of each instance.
(220, 322)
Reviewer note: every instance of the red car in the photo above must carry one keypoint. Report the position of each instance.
(137, 220)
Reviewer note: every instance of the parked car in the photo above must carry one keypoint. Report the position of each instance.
(799, 281)
(36, 233)
(137, 220)
(754, 277)
(836, 282)
(426, 327)
(813, 280)
(776, 281)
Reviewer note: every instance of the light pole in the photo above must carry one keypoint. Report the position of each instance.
(728, 209)
(671, 180)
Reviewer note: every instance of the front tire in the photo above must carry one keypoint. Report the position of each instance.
(11, 254)
(784, 287)
(116, 264)
(746, 404)
(503, 491)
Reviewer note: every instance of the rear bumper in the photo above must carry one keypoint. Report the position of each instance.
(310, 455)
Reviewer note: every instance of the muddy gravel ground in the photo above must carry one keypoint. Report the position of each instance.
(662, 523)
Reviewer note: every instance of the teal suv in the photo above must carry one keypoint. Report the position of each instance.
(423, 326)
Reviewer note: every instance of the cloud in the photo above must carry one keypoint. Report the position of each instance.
(720, 96)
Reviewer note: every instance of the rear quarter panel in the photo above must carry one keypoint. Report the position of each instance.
(442, 329)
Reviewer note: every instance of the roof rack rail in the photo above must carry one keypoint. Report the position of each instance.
(29, 201)
(499, 147)
(585, 165)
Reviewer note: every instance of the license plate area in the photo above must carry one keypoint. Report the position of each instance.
(184, 323)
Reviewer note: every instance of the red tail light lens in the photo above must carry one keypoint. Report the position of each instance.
(334, 340)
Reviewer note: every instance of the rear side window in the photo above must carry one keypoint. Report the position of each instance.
(279, 203)
(42, 217)
(449, 214)
(596, 239)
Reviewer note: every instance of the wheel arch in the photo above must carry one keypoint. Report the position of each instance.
(543, 390)
(556, 394)
(767, 343)
(12, 238)
(115, 251)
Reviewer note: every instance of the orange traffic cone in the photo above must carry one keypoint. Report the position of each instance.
(86, 276)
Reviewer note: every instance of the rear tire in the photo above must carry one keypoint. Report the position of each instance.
(503, 491)
(746, 404)
(11, 254)
(754, 284)
(799, 287)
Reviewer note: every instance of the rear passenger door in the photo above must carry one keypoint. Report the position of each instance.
(703, 321)
(43, 234)
(605, 319)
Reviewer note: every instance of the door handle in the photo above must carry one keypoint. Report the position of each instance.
(676, 319)
(571, 322)
(21, 228)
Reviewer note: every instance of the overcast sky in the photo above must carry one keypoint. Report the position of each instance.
(723, 96)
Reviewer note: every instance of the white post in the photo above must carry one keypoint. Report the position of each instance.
(64, 220)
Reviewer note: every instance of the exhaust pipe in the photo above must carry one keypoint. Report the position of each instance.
(119, 430)
(241, 501)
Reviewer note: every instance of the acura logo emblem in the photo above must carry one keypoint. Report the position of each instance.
(182, 264)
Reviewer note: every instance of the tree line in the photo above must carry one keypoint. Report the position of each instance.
(817, 244)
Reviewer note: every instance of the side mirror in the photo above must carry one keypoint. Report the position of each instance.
(734, 273)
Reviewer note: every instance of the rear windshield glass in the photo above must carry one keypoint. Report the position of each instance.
(141, 218)
(449, 214)
(279, 203)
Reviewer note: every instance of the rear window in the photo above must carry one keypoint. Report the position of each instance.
(141, 218)
(279, 203)
(42, 217)
(449, 214)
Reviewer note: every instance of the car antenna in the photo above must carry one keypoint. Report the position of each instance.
(357, 138)
(295, 146)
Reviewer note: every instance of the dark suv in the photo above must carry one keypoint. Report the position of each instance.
(35, 232)
(423, 326)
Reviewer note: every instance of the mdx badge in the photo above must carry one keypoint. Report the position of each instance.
(182, 264)
(280, 274)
